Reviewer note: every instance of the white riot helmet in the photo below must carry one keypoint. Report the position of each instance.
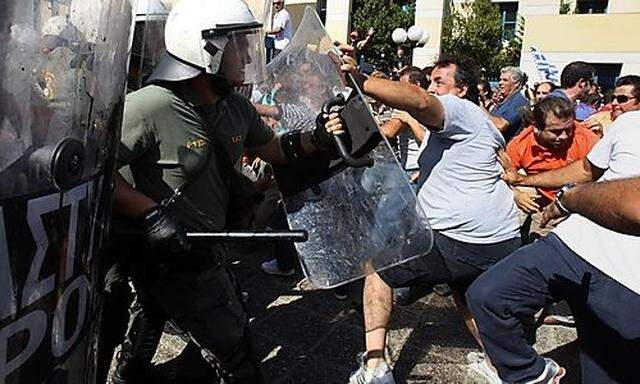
(219, 37)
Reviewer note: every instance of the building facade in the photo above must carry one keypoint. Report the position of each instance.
(601, 32)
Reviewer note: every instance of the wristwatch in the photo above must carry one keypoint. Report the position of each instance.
(559, 195)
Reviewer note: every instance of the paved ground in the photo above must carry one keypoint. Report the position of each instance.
(312, 337)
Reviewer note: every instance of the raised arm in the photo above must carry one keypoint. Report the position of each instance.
(422, 106)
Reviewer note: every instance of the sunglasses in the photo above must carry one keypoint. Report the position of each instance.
(622, 98)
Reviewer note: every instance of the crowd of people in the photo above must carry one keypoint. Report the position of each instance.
(495, 173)
(531, 194)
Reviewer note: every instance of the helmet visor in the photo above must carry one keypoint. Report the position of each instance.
(243, 58)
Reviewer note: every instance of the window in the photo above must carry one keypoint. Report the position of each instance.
(606, 74)
(509, 15)
(592, 6)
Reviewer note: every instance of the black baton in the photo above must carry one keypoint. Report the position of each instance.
(234, 236)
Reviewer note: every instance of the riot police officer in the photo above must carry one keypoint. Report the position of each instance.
(182, 136)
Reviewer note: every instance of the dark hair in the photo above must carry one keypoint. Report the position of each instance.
(427, 70)
(553, 86)
(467, 74)
(574, 72)
(486, 86)
(561, 108)
(630, 80)
(415, 76)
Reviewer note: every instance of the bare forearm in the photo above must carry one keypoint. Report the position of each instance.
(580, 171)
(500, 123)
(392, 128)
(416, 128)
(267, 110)
(130, 202)
(614, 204)
(424, 107)
(275, 31)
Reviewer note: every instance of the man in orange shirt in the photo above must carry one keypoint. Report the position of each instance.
(554, 140)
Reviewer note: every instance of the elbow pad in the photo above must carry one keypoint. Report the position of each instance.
(302, 170)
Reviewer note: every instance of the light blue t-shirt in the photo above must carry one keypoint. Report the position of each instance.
(463, 196)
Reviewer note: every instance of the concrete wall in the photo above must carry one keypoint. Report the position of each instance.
(538, 7)
(429, 15)
(566, 38)
(338, 19)
(623, 6)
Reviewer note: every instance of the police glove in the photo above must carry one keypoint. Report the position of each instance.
(163, 231)
(321, 138)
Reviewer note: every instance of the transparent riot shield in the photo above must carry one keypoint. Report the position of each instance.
(359, 220)
(62, 78)
(148, 40)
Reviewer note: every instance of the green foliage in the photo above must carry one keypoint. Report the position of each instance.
(476, 32)
(384, 16)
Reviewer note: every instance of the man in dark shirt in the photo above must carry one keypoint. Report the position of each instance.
(507, 116)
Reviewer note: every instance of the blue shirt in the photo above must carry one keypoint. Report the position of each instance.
(511, 110)
(583, 111)
(559, 93)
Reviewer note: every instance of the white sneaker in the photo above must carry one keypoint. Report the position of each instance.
(271, 268)
(382, 374)
(552, 373)
(484, 370)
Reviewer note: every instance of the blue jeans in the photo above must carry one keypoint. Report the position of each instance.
(607, 314)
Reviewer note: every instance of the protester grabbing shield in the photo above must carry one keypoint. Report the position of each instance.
(356, 202)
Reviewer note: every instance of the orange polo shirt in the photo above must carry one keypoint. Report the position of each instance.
(527, 154)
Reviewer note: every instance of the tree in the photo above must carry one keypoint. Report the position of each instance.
(476, 32)
(384, 16)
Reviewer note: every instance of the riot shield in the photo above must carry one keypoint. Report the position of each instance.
(360, 219)
(62, 78)
(148, 47)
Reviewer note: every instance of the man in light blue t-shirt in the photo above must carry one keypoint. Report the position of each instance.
(469, 207)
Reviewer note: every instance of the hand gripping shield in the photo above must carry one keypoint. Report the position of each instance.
(361, 214)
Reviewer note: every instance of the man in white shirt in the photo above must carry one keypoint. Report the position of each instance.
(470, 209)
(595, 269)
(281, 30)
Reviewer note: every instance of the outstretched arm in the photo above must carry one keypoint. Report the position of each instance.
(581, 171)
(422, 106)
(612, 204)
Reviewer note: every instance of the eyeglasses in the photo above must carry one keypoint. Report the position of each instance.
(622, 98)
